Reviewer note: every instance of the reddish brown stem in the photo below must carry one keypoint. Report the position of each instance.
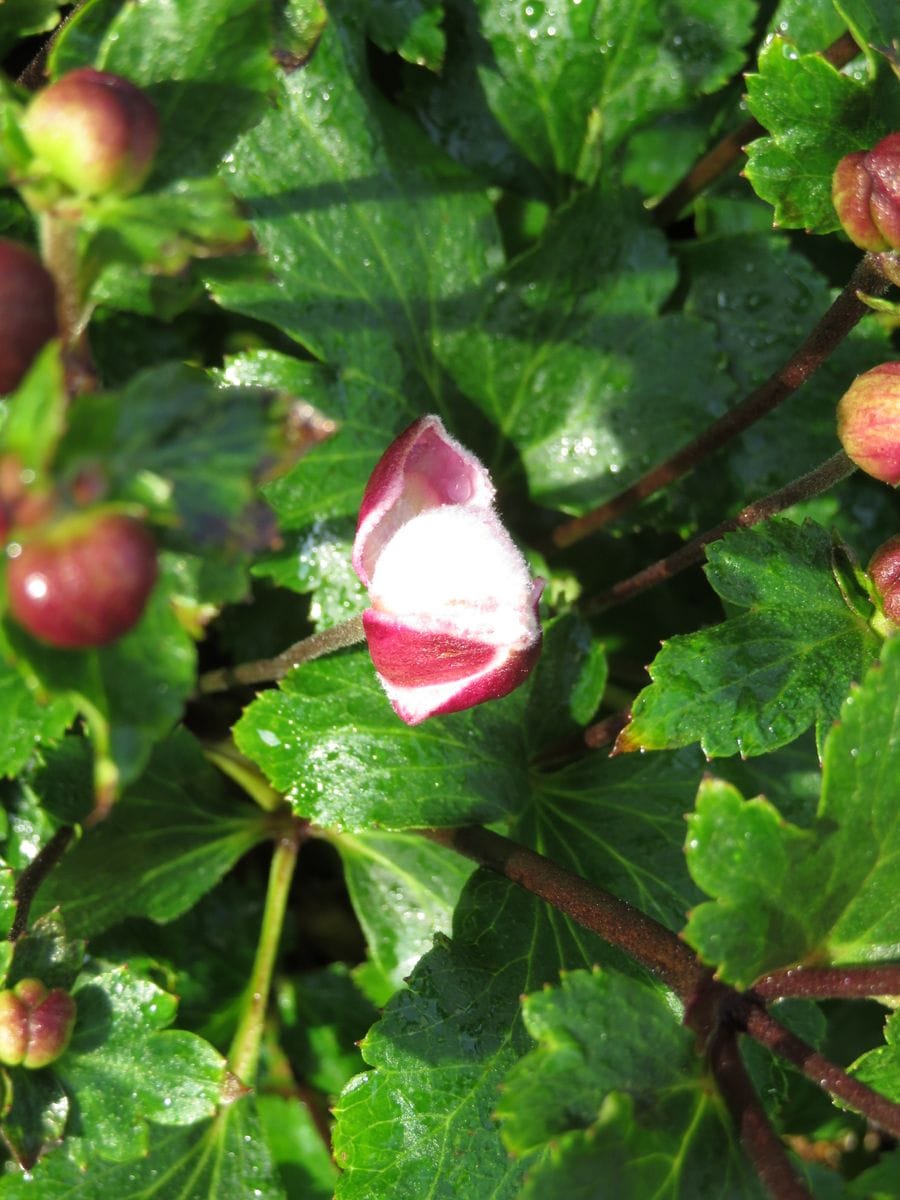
(604, 733)
(868, 278)
(761, 1143)
(709, 1006)
(614, 920)
(832, 471)
(34, 875)
(764, 1029)
(829, 983)
(726, 152)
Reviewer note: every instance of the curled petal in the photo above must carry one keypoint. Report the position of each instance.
(424, 468)
(427, 673)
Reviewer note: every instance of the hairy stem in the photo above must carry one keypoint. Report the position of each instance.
(832, 471)
(616, 921)
(266, 670)
(761, 1143)
(726, 152)
(244, 1053)
(34, 875)
(763, 1028)
(845, 312)
(709, 1005)
(831, 983)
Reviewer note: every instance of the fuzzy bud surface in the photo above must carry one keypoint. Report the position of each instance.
(869, 422)
(453, 619)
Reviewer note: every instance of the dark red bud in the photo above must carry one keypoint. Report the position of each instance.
(866, 194)
(868, 417)
(83, 582)
(884, 570)
(27, 311)
(94, 131)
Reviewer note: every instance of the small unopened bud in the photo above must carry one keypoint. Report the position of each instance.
(866, 193)
(884, 571)
(27, 311)
(35, 1024)
(95, 132)
(869, 422)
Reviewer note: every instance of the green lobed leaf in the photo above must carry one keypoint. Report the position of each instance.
(48, 952)
(19, 18)
(29, 721)
(124, 1068)
(366, 406)
(533, 95)
(329, 741)
(322, 1017)
(179, 443)
(170, 838)
(763, 298)
(36, 1118)
(213, 1159)
(414, 28)
(404, 890)
(132, 691)
(34, 416)
(303, 1160)
(880, 1068)
(375, 240)
(761, 678)
(163, 230)
(424, 1113)
(616, 1091)
(559, 358)
(204, 63)
(786, 894)
(814, 116)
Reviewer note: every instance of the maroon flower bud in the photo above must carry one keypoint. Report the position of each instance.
(27, 311)
(866, 193)
(94, 131)
(868, 418)
(884, 571)
(83, 582)
(35, 1024)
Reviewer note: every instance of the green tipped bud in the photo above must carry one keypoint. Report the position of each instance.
(869, 422)
(95, 132)
(27, 311)
(866, 193)
(884, 571)
(35, 1024)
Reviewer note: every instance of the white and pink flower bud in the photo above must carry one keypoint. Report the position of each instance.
(454, 617)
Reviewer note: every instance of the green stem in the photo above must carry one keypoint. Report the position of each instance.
(59, 250)
(266, 670)
(243, 1056)
(61, 254)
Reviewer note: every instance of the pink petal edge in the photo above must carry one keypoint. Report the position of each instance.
(422, 468)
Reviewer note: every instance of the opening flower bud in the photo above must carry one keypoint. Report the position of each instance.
(35, 1024)
(884, 571)
(27, 311)
(865, 189)
(94, 131)
(869, 422)
(454, 617)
